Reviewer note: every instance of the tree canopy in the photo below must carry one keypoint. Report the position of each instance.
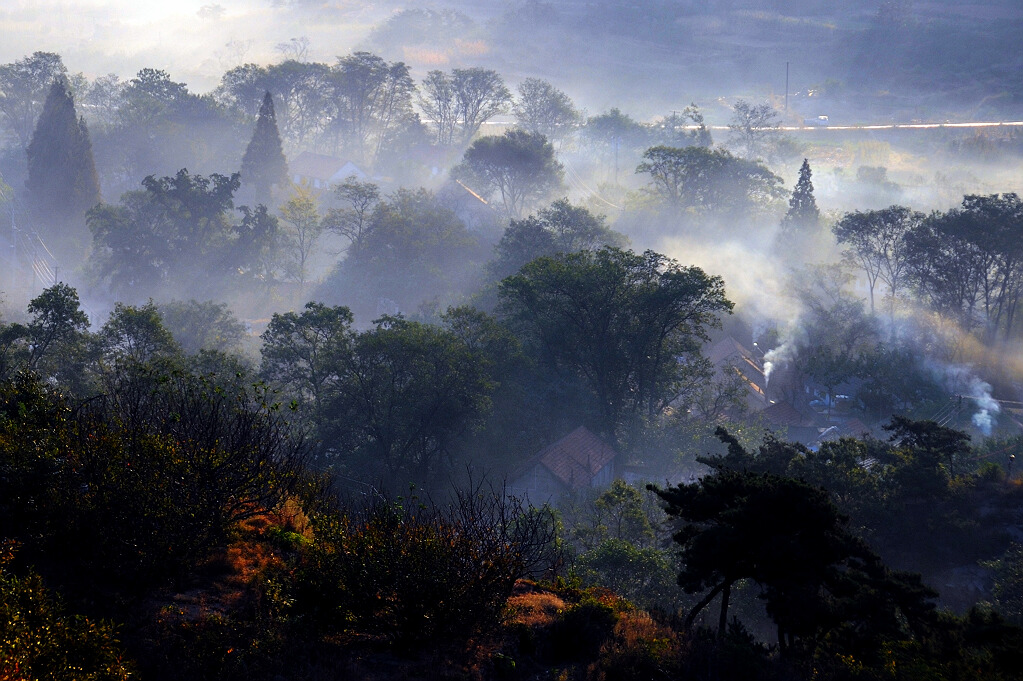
(520, 167)
(264, 165)
(877, 243)
(803, 215)
(558, 228)
(178, 234)
(62, 180)
(788, 536)
(542, 108)
(616, 321)
(702, 180)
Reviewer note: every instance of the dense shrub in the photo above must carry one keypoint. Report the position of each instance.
(413, 573)
(39, 640)
(582, 631)
(135, 487)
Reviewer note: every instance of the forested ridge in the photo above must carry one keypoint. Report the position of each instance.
(360, 369)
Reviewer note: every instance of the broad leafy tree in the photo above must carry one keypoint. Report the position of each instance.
(518, 167)
(261, 251)
(302, 351)
(685, 128)
(559, 228)
(303, 226)
(136, 334)
(102, 100)
(544, 109)
(616, 137)
(202, 325)
(787, 536)
(616, 321)
(161, 127)
(614, 130)
(371, 102)
(352, 220)
(969, 261)
(412, 249)
(480, 94)
(700, 180)
(437, 100)
(23, 87)
(876, 241)
(406, 392)
(56, 331)
(176, 233)
(753, 129)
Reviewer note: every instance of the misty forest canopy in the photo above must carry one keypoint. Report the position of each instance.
(292, 372)
(440, 211)
(180, 235)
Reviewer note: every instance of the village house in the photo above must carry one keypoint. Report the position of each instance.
(576, 462)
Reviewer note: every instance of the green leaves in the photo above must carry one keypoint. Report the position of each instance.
(40, 640)
(616, 321)
(520, 167)
(176, 233)
(701, 180)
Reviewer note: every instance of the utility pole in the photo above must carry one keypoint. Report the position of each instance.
(615, 142)
(786, 87)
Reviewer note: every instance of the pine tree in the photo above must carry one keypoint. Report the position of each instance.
(803, 215)
(62, 180)
(263, 165)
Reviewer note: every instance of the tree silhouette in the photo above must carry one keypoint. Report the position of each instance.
(617, 322)
(519, 166)
(62, 180)
(803, 214)
(817, 577)
(23, 87)
(263, 165)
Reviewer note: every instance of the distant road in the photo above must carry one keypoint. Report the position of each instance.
(889, 126)
(800, 128)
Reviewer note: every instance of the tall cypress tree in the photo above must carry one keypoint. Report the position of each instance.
(62, 181)
(263, 165)
(803, 215)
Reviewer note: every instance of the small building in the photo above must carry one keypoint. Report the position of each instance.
(576, 462)
(792, 424)
(730, 356)
(320, 171)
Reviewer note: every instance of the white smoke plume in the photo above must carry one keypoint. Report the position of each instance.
(960, 379)
(792, 339)
(987, 407)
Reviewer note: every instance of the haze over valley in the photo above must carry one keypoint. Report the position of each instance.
(588, 340)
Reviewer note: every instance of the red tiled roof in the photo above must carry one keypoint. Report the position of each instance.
(577, 457)
(729, 350)
(784, 414)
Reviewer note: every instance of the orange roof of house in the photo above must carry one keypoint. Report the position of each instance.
(784, 414)
(577, 457)
(731, 350)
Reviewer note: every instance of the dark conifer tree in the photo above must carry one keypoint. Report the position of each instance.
(62, 180)
(264, 165)
(803, 215)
